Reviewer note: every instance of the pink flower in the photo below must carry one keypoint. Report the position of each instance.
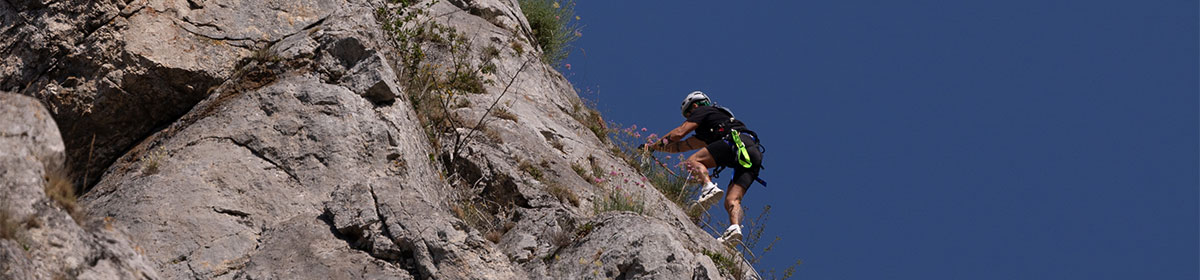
(568, 66)
(653, 136)
(612, 173)
(633, 127)
(637, 134)
(643, 129)
(668, 157)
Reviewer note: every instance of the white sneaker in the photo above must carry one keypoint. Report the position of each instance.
(709, 194)
(732, 236)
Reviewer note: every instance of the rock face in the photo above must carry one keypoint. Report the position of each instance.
(113, 71)
(39, 238)
(288, 139)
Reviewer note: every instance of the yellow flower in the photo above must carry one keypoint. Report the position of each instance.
(556, 5)
(576, 17)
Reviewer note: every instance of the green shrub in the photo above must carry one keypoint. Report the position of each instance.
(728, 265)
(668, 177)
(583, 173)
(554, 27)
(616, 200)
(533, 171)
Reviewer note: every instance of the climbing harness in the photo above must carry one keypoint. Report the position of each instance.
(742, 156)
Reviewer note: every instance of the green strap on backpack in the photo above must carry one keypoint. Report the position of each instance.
(742, 156)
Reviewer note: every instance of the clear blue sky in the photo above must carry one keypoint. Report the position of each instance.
(936, 139)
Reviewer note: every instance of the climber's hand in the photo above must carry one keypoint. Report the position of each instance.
(644, 149)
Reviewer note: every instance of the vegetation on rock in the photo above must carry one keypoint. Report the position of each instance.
(554, 25)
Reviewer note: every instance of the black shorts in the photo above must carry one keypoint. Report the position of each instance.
(725, 155)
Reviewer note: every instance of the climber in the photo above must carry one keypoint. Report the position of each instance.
(722, 141)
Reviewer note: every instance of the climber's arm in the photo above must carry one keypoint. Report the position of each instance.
(670, 142)
(682, 146)
(681, 131)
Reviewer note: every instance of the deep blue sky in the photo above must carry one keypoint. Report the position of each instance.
(936, 139)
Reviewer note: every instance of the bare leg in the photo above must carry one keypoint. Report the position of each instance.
(733, 203)
(699, 163)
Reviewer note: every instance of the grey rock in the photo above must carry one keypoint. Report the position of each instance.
(352, 209)
(276, 140)
(41, 239)
(113, 71)
(25, 120)
(374, 79)
(626, 246)
(304, 248)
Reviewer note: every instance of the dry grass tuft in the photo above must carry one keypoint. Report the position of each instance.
(562, 193)
(504, 114)
(562, 238)
(153, 160)
(471, 214)
(557, 144)
(8, 225)
(492, 135)
(517, 47)
(494, 236)
(58, 187)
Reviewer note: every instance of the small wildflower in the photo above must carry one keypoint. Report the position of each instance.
(643, 129)
(555, 5)
(612, 173)
(633, 127)
(576, 18)
(568, 66)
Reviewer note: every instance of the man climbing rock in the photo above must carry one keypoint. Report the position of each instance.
(722, 141)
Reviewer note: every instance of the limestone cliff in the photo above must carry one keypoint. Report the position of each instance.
(317, 139)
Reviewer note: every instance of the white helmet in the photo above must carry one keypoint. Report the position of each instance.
(695, 96)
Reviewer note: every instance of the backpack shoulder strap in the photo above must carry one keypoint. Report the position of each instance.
(725, 110)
